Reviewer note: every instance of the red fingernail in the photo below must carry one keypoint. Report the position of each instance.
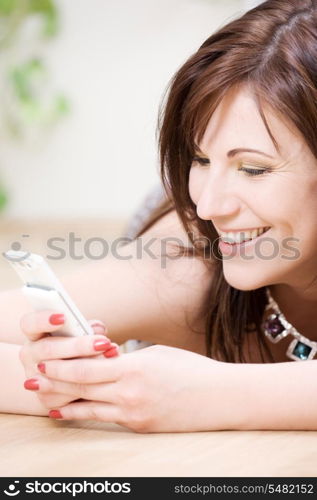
(101, 344)
(57, 319)
(111, 352)
(41, 367)
(31, 384)
(55, 414)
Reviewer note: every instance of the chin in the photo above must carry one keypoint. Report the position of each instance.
(243, 281)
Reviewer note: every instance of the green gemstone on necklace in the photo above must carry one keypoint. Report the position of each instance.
(302, 350)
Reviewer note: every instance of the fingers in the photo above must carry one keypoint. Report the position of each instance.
(84, 370)
(94, 392)
(52, 400)
(36, 324)
(88, 410)
(68, 347)
(112, 351)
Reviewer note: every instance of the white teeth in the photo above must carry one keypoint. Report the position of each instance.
(239, 237)
(231, 236)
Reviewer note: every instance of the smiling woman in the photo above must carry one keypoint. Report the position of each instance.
(238, 134)
(242, 208)
(238, 151)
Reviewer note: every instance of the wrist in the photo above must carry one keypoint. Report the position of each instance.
(231, 389)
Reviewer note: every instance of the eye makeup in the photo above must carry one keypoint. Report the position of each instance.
(201, 160)
(254, 171)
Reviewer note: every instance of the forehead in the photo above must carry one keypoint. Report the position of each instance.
(237, 122)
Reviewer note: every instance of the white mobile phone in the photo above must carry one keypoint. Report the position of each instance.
(44, 291)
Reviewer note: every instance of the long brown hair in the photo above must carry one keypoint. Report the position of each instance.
(273, 49)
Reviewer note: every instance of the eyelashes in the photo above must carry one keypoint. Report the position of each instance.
(249, 171)
(254, 171)
(201, 160)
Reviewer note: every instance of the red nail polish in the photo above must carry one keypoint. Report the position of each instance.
(101, 344)
(111, 353)
(57, 319)
(32, 384)
(41, 367)
(55, 414)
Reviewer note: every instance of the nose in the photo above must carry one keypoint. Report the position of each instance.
(217, 199)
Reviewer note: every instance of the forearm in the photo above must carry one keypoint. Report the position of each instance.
(13, 304)
(276, 396)
(13, 397)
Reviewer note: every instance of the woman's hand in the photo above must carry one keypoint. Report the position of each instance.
(156, 389)
(40, 346)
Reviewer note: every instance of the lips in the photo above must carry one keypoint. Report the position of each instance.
(240, 249)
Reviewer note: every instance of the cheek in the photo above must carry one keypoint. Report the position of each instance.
(194, 185)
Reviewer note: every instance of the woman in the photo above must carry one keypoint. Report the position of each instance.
(238, 145)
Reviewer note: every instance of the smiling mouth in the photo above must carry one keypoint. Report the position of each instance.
(248, 240)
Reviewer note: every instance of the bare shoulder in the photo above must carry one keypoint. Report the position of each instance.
(168, 225)
(180, 282)
(186, 278)
(170, 236)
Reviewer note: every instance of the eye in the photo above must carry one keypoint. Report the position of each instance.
(201, 161)
(255, 171)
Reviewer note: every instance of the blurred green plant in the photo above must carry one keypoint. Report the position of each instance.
(28, 103)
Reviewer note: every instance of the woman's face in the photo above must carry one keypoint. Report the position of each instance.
(282, 197)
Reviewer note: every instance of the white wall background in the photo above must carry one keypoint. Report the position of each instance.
(113, 58)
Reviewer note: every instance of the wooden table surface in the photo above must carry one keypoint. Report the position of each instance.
(39, 446)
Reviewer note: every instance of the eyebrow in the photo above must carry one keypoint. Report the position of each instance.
(236, 151)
